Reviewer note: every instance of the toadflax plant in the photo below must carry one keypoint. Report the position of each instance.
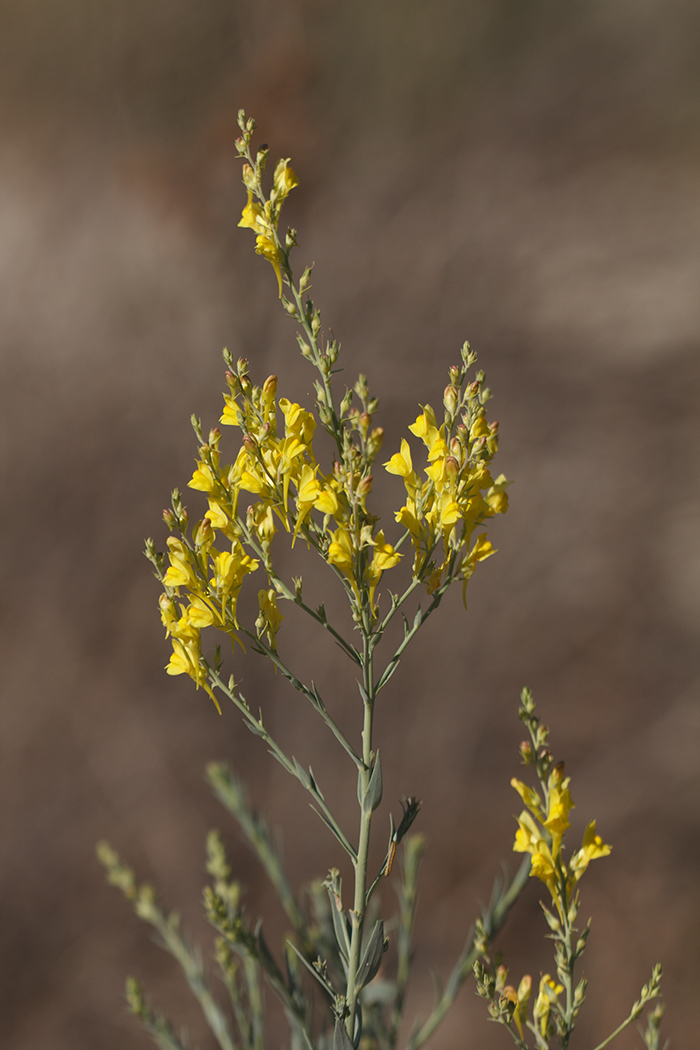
(265, 479)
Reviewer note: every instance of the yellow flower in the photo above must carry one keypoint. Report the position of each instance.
(340, 552)
(266, 245)
(284, 180)
(253, 217)
(180, 573)
(203, 479)
(520, 999)
(591, 848)
(401, 463)
(529, 796)
(497, 497)
(185, 659)
(560, 805)
(425, 426)
(230, 568)
(297, 421)
(199, 614)
(270, 618)
(308, 492)
(548, 994)
(528, 834)
(385, 557)
(232, 415)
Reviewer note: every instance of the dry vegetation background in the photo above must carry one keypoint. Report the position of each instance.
(524, 173)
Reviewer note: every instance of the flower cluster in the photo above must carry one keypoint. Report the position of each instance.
(459, 492)
(541, 828)
(263, 217)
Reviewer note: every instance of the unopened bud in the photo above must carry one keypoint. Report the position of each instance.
(557, 774)
(501, 975)
(473, 388)
(451, 467)
(450, 399)
(455, 447)
(365, 420)
(248, 443)
(493, 427)
(248, 177)
(270, 387)
(376, 438)
(242, 366)
(454, 375)
(365, 486)
(214, 437)
(169, 518)
(526, 752)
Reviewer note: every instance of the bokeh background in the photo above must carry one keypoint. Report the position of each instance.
(522, 173)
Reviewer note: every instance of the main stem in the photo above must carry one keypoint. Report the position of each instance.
(359, 905)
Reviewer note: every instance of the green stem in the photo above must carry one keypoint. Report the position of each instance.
(360, 903)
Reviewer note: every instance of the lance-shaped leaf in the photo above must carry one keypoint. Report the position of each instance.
(373, 794)
(376, 946)
(341, 1039)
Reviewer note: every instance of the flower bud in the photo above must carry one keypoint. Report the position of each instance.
(526, 752)
(473, 388)
(376, 438)
(365, 487)
(214, 438)
(454, 375)
(169, 518)
(270, 387)
(248, 176)
(451, 467)
(365, 420)
(242, 366)
(450, 399)
(248, 443)
(557, 774)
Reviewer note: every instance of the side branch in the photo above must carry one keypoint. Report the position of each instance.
(494, 917)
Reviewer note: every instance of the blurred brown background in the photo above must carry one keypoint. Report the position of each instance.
(522, 173)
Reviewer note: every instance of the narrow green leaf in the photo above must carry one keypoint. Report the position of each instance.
(373, 795)
(376, 946)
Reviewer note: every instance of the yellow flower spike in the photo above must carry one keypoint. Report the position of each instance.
(401, 462)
